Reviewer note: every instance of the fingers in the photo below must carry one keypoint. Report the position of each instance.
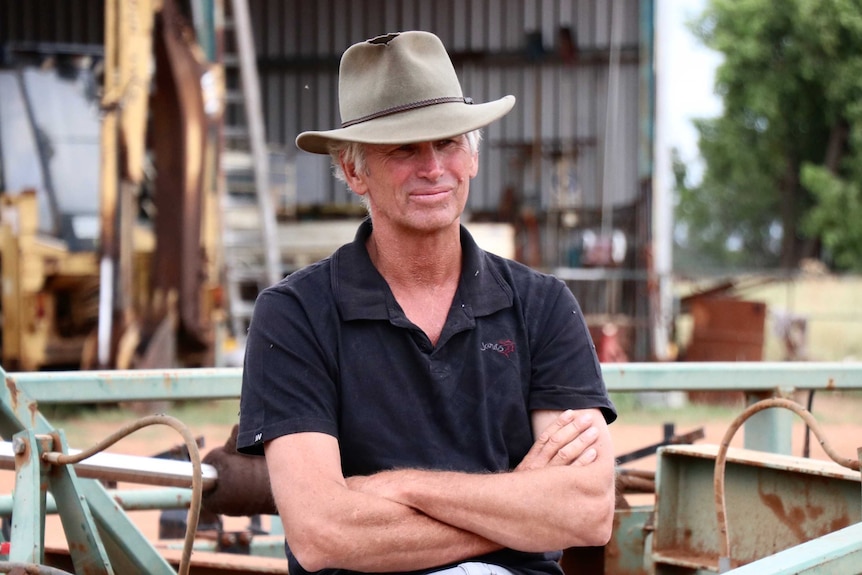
(578, 447)
(569, 442)
(588, 456)
(566, 440)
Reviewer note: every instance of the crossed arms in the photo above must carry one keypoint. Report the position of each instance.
(561, 495)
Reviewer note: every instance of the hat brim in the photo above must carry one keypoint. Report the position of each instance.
(426, 124)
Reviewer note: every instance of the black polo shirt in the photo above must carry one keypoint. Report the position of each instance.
(330, 350)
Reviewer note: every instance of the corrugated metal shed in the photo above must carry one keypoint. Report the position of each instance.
(52, 21)
(573, 143)
(558, 149)
(574, 157)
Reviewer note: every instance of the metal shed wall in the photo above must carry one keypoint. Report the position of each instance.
(559, 157)
(558, 153)
(52, 21)
(558, 149)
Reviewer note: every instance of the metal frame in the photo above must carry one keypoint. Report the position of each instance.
(773, 503)
(766, 431)
(837, 552)
(104, 540)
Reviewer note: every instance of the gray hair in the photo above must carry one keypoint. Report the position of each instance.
(354, 153)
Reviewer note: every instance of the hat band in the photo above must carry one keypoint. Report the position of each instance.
(405, 107)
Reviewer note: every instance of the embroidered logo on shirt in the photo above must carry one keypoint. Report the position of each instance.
(504, 346)
(258, 437)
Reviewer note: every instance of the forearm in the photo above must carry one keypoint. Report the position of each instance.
(561, 494)
(373, 534)
(537, 510)
(329, 522)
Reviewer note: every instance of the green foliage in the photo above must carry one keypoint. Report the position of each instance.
(836, 216)
(791, 84)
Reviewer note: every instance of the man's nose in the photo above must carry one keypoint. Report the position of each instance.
(431, 164)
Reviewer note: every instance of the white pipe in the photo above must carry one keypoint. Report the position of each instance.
(106, 306)
(662, 228)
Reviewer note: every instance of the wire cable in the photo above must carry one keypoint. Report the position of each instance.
(193, 516)
(724, 556)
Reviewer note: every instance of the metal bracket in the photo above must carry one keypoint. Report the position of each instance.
(102, 538)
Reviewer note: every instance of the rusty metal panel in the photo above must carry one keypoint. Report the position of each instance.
(726, 329)
(774, 502)
(626, 552)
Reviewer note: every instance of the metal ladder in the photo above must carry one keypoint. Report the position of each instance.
(252, 258)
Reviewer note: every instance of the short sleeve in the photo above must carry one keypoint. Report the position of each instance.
(565, 370)
(289, 376)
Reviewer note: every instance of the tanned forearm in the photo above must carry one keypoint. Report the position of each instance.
(549, 502)
(368, 533)
(537, 510)
(561, 495)
(398, 537)
(335, 525)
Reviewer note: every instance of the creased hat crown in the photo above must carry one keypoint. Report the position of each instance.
(401, 88)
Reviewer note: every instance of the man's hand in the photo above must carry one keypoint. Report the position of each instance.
(561, 495)
(566, 440)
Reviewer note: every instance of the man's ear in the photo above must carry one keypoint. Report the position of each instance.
(474, 168)
(356, 184)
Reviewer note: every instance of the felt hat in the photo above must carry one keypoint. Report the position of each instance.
(398, 89)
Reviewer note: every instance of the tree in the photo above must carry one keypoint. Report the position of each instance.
(784, 161)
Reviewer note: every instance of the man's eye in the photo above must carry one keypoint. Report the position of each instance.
(445, 143)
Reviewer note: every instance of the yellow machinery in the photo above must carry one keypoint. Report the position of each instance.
(109, 213)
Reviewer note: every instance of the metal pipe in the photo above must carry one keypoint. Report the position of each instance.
(111, 386)
(128, 499)
(125, 468)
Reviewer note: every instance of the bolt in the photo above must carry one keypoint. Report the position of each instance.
(19, 446)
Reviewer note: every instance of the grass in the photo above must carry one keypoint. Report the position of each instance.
(79, 423)
(633, 410)
(221, 412)
(832, 407)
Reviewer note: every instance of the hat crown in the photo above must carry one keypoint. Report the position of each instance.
(394, 71)
(398, 89)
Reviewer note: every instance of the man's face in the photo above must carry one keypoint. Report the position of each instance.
(420, 187)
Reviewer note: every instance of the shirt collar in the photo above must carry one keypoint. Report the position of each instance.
(362, 293)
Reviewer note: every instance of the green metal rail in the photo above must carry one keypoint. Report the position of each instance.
(767, 431)
(839, 552)
(224, 383)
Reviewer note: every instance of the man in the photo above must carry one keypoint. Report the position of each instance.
(423, 405)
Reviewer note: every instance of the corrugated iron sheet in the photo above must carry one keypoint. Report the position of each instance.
(574, 153)
(553, 55)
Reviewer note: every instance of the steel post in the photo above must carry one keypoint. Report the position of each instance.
(769, 430)
(85, 545)
(28, 517)
(128, 499)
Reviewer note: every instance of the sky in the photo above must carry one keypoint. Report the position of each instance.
(684, 75)
(685, 70)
